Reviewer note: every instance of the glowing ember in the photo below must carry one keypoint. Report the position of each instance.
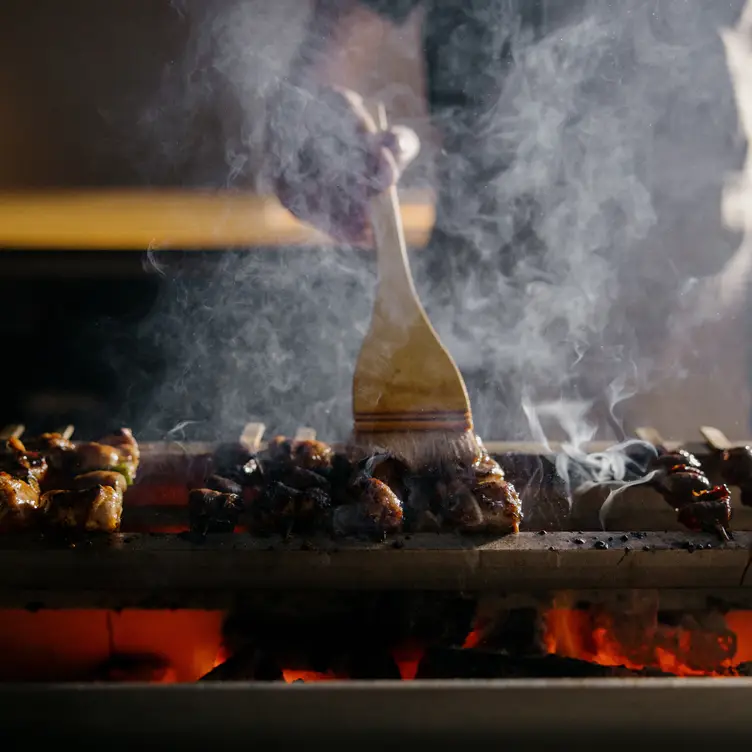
(408, 657)
(292, 675)
(712, 646)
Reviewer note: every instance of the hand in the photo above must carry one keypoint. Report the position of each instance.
(328, 159)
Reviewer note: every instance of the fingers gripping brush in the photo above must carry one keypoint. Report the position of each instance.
(409, 398)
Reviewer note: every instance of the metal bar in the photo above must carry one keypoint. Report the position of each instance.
(167, 568)
(691, 713)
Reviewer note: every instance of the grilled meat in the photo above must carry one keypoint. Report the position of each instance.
(213, 511)
(709, 512)
(127, 447)
(19, 502)
(95, 509)
(305, 486)
(736, 470)
(669, 460)
(685, 487)
(18, 461)
(283, 509)
(377, 511)
(308, 454)
(101, 478)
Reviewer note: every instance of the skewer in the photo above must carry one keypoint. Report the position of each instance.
(715, 438)
(304, 433)
(68, 431)
(650, 435)
(250, 438)
(12, 431)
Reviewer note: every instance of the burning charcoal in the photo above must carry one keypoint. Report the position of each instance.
(101, 478)
(213, 511)
(710, 512)
(224, 485)
(378, 511)
(19, 501)
(96, 509)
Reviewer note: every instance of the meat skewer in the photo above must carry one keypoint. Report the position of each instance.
(734, 462)
(681, 481)
(50, 482)
(301, 486)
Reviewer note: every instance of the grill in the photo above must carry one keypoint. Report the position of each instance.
(494, 634)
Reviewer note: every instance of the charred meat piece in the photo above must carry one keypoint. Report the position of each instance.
(101, 478)
(710, 511)
(18, 461)
(736, 470)
(285, 510)
(224, 485)
(669, 460)
(390, 470)
(499, 503)
(461, 508)
(213, 511)
(96, 509)
(677, 484)
(298, 478)
(308, 454)
(130, 454)
(377, 511)
(19, 501)
(91, 455)
(486, 467)
(54, 447)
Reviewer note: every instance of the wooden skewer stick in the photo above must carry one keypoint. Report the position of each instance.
(12, 431)
(715, 438)
(650, 435)
(68, 431)
(250, 438)
(304, 433)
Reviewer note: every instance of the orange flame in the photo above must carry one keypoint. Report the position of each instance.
(688, 649)
(291, 675)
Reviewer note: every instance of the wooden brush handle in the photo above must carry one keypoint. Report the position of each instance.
(395, 280)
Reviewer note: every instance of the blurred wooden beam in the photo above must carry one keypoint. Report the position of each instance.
(137, 219)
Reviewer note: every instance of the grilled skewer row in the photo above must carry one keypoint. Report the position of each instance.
(50, 482)
(699, 505)
(304, 486)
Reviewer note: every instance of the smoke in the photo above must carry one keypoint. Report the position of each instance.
(577, 204)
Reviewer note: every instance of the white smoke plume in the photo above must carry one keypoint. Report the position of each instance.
(602, 162)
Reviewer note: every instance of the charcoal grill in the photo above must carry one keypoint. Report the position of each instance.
(140, 568)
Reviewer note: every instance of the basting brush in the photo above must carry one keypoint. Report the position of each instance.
(409, 398)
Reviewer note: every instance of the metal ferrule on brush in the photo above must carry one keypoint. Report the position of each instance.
(454, 421)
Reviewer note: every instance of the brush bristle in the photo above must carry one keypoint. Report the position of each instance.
(420, 449)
